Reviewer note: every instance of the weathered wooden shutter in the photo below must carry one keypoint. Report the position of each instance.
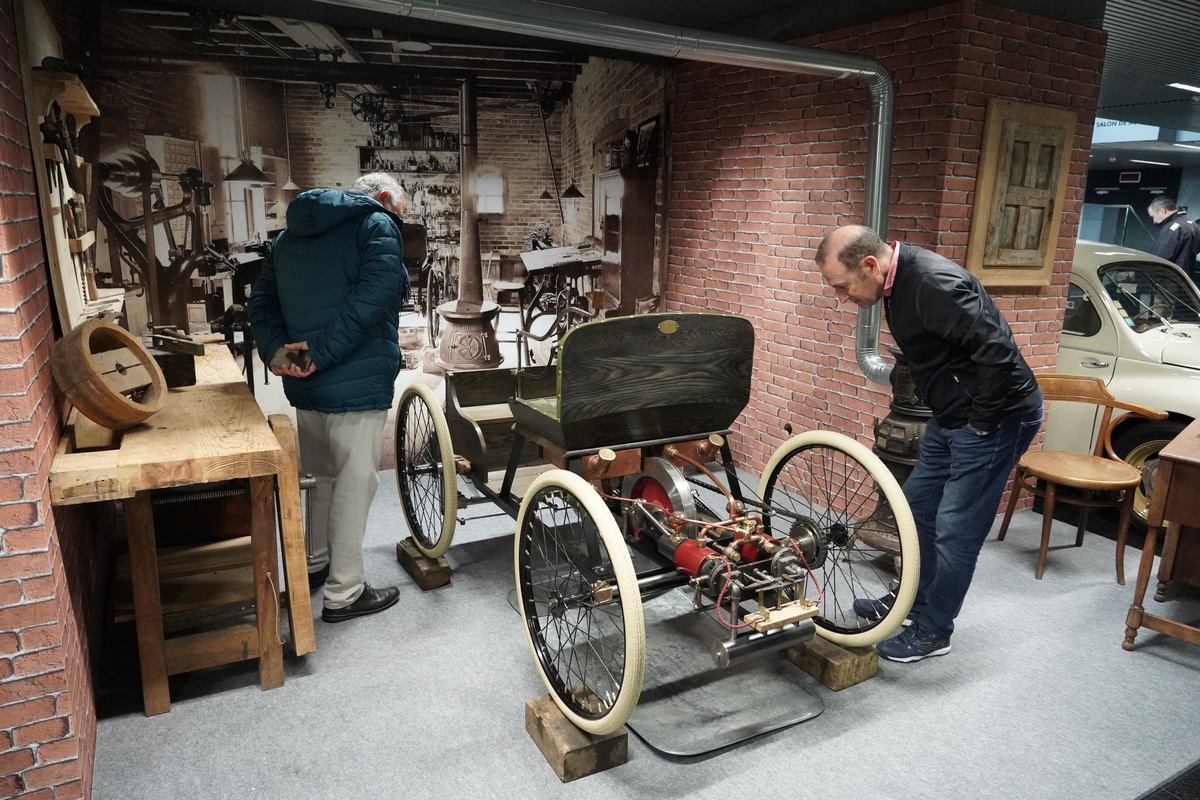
(1024, 162)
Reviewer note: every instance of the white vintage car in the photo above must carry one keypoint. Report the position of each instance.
(1132, 319)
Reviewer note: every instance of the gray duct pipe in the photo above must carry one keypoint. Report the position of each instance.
(592, 28)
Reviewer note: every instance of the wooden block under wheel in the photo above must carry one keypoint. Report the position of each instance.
(836, 667)
(428, 573)
(571, 752)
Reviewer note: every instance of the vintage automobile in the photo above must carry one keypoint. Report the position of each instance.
(1132, 319)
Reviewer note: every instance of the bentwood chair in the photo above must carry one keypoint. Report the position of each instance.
(1098, 479)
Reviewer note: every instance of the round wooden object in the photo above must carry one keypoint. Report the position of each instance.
(108, 374)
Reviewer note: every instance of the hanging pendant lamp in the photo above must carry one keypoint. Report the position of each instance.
(246, 172)
(571, 192)
(290, 185)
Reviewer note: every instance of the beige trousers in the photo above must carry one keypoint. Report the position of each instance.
(341, 451)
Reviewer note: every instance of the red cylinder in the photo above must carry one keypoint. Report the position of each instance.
(690, 556)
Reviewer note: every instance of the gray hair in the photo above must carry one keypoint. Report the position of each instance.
(1164, 202)
(375, 182)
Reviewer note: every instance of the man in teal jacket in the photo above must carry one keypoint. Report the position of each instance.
(324, 314)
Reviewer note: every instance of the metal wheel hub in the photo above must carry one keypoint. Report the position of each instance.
(805, 534)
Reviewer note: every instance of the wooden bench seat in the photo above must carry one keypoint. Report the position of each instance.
(642, 378)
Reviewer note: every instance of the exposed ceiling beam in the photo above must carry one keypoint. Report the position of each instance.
(316, 36)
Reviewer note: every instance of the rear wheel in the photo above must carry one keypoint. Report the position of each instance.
(1139, 446)
(578, 594)
(425, 472)
(840, 505)
(436, 296)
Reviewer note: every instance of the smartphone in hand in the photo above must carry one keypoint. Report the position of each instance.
(283, 357)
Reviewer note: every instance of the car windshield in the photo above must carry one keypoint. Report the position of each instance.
(1150, 295)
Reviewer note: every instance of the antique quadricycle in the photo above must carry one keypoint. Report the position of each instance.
(631, 490)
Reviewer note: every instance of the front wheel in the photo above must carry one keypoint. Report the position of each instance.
(425, 473)
(578, 595)
(1138, 446)
(839, 505)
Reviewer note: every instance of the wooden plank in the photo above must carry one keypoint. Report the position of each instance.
(89, 435)
(496, 412)
(139, 523)
(834, 666)
(291, 538)
(82, 243)
(428, 573)
(129, 379)
(570, 752)
(266, 581)
(212, 648)
(522, 478)
(184, 560)
(184, 594)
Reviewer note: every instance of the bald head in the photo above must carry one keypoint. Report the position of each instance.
(854, 262)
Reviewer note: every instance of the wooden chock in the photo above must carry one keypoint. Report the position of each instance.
(571, 752)
(836, 667)
(428, 573)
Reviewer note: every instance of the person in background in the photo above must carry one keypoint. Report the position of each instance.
(987, 407)
(1178, 240)
(325, 315)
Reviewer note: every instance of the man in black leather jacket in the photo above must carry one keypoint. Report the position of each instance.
(986, 404)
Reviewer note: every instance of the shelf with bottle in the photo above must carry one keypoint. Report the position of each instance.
(371, 160)
(413, 137)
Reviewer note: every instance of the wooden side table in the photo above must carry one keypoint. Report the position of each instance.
(1175, 503)
(212, 431)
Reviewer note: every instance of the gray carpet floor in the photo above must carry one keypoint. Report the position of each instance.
(426, 700)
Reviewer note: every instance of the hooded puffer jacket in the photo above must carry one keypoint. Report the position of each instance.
(335, 279)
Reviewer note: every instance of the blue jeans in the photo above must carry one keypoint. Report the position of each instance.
(954, 492)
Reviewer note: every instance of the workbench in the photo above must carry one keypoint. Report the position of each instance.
(1175, 505)
(210, 432)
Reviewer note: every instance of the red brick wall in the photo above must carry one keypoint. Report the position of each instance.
(766, 163)
(50, 564)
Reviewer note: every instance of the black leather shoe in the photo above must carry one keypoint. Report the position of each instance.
(370, 601)
(317, 579)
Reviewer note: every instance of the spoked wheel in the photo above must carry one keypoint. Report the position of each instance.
(837, 501)
(578, 594)
(425, 472)
(437, 295)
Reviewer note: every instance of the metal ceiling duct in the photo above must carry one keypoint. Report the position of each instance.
(549, 21)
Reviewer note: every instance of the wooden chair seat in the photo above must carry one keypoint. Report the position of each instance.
(1080, 470)
(1093, 479)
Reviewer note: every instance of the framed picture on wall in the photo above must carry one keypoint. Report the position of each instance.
(647, 142)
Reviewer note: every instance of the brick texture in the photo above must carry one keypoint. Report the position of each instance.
(765, 163)
(51, 562)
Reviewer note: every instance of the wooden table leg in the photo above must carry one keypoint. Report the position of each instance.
(291, 536)
(266, 581)
(147, 604)
(1166, 564)
(1133, 620)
